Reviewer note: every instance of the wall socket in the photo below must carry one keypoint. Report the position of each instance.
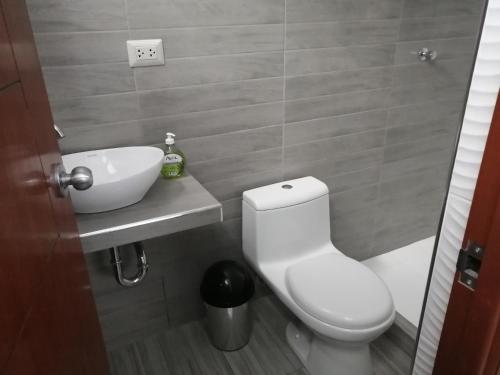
(146, 52)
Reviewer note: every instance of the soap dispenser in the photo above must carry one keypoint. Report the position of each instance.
(174, 160)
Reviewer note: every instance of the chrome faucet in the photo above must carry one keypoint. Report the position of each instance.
(59, 132)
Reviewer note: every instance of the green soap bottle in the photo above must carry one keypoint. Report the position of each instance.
(174, 160)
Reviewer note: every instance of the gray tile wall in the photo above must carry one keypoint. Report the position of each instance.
(260, 91)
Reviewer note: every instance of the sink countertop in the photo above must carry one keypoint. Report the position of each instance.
(169, 206)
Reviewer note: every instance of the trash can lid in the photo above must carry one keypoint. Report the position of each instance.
(226, 284)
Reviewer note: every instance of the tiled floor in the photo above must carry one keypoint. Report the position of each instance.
(405, 272)
(186, 350)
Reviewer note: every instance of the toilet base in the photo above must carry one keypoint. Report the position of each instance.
(323, 356)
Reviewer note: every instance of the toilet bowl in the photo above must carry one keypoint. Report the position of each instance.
(341, 304)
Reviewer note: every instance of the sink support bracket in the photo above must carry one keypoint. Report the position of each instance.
(142, 265)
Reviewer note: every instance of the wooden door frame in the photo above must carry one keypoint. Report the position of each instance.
(469, 341)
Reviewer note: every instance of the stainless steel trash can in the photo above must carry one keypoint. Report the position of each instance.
(226, 289)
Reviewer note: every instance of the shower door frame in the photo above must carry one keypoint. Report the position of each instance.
(470, 340)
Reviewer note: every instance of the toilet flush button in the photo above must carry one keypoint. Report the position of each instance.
(287, 187)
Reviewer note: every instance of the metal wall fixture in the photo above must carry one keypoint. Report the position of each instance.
(142, 265)
(59, 132)
(425, 54)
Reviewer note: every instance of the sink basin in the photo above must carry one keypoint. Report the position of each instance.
(122, 176)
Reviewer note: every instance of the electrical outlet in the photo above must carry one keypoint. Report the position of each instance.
(147, 52)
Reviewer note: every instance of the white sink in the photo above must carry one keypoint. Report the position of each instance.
(122, 176)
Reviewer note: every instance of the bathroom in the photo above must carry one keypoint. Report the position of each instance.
(366, 96)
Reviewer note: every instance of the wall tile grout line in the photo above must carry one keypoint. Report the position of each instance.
(274, 78)
(283, 130)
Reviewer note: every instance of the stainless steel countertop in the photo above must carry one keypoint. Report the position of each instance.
(169, 206)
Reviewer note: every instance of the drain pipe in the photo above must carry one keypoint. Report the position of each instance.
(142, 266)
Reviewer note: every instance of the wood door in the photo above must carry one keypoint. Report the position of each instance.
(470, 340)
(48, 320)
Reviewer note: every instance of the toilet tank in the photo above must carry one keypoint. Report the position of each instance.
(285, 220)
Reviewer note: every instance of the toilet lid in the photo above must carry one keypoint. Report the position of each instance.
(340, 291)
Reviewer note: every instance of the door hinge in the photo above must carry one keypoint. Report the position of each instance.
(469, 264)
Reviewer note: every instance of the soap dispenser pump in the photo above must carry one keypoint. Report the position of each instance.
(174, 160)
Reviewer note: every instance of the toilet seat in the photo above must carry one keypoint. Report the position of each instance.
(339, 291)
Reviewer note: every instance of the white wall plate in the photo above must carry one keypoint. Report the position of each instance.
(146, 52)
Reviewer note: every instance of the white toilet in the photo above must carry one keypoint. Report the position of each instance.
(342, 304)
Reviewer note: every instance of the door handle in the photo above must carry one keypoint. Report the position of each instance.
(80, 178)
